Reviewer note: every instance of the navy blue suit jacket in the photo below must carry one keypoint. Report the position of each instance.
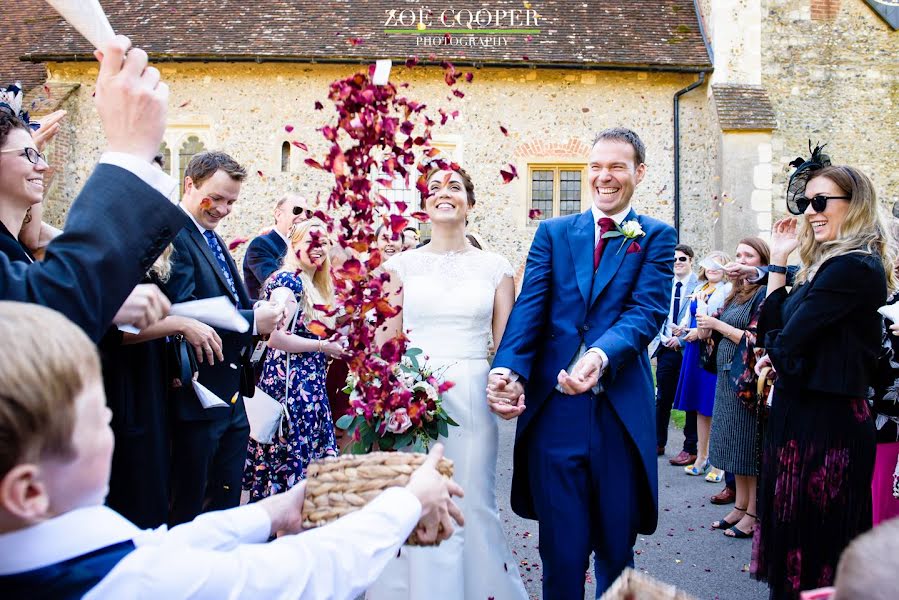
(196, 275)
(264, 256)
(116, 228)
(619, 310)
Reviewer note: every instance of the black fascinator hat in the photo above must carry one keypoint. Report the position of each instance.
(11, 103)
(805, 168)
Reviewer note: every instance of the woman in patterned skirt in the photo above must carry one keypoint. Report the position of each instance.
(823, 339)
(309, 433)
(732, 444)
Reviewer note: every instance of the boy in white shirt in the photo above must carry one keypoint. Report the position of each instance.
(57, 540)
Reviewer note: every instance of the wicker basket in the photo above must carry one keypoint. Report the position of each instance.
(632, 585)
(340, 485)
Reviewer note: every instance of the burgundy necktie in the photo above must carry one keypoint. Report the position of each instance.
(605, 226)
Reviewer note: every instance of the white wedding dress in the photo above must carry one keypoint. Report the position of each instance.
(448, 313)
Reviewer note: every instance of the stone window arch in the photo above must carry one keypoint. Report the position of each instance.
(285, 157)
(191, 146)
(166, 157)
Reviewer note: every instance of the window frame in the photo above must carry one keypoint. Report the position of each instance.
(557, 167)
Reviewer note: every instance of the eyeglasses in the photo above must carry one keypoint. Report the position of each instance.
(681, 258)
(818, 202)
(299, 210)
(31, 154)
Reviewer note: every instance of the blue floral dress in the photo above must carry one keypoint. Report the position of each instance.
(273, 468)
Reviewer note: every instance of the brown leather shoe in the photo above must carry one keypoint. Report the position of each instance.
(683, 459)
(725, 496)
(660, 450)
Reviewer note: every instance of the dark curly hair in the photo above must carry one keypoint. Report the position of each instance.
(8, 122)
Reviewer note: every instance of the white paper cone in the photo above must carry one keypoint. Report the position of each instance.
(88, 18)
(382, 72)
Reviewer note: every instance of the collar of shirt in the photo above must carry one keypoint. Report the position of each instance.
(684, 280)
(282, 236)
(598, 214)
(69, 535)
(199, 227)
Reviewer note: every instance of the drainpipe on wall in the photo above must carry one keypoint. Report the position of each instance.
(677, 96)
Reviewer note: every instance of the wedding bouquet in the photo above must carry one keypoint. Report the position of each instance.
(412, 416)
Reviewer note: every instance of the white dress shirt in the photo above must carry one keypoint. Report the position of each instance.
(665, 334)
(155, 178)
(223, 554)
(597, 215)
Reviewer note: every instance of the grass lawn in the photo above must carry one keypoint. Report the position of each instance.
(677, 416)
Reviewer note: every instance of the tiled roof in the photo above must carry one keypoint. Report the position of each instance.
(649, 34)
(743, 107)
(23, 24)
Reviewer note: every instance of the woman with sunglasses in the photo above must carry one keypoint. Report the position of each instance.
(823, 339)
(22, 171)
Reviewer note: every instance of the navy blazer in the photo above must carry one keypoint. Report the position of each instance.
(264, 256)
(116, 228)
(619, 310)
(196, 275)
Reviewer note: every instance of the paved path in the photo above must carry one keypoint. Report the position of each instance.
(684, 551)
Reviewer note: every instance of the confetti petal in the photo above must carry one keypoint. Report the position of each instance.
(237, 242)
(509, 175)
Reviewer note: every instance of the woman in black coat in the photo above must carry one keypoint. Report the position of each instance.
(823, 339)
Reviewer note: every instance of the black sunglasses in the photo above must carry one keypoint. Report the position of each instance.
(298, 210)
(681, 258)
(818, 202)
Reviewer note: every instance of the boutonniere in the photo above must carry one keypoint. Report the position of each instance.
(629, 230)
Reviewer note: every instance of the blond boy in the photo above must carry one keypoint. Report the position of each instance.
(57, 540)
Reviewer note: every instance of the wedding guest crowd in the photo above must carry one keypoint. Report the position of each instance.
(810, 457)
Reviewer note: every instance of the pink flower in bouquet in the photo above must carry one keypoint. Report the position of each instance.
(399, 421)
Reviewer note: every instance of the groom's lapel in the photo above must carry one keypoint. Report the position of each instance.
(612, 257)
(580, 240)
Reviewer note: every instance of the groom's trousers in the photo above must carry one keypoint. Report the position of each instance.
(584, 477)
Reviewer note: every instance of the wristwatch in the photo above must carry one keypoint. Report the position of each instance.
(777, 269)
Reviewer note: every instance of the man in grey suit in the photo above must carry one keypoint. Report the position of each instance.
(669, 355)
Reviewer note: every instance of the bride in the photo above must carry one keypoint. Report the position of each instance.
(454, 297)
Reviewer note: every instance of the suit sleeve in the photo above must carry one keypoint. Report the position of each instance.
(525, 327)
(117, 226)
(840, 287)
(647, 307)
(261, 260)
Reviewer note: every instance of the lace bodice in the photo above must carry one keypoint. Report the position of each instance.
(448, 300)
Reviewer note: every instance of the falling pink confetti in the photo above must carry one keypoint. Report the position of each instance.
(411, 61)
(288, 128)
(300, 145)
(318, 105)
(509, 175)
(355, 41)
(236, 243)
(260, 173)
(504, 130)
(183, 104)
(535, 213)
(529, 38)
(469, 77)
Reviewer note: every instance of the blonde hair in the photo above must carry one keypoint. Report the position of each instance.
(163, 265)
(40, 377)
(865, 230)
(319, 289)
(723, 260)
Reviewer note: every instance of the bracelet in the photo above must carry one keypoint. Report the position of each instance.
(777, 269)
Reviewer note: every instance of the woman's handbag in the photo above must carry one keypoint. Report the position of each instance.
(708, 353)
(264, 413)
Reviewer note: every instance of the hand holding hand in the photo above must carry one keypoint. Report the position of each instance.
(203, 338)
(784, 239)
(144, 306)
(505, 398)
(131, 100)
(49, 127)
(286, 510)
(584, 376)
(435, 492)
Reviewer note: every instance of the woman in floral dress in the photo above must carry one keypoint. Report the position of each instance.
(309, 433)
(823, 339)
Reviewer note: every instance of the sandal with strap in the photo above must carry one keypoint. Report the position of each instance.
(715, 476)
(696, 469)
(725, 524)
(736, 532)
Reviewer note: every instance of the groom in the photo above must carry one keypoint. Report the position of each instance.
(596, 290)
